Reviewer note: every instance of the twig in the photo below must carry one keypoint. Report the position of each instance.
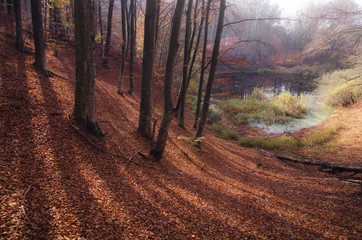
(203, 167)
(55, 74)
(130, 159)
(286, 224)
(27, 191)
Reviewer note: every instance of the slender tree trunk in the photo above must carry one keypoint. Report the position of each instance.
(45, 4)
(39, 42)
(214, 60)
(84, 106)
(19, 25)
(9, 6)
(2, 5)
(197, 43)
(132, 45)
(124, 45)
(182, 96)
(101, 29)
(159, 147)
(203, 65)
(109, 34)
(145, 117)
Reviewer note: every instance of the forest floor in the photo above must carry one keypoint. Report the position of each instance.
(54, 184)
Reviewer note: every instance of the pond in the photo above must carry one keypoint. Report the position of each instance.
(240, 85)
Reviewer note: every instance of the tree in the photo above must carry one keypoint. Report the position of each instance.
(145, 116)
(39, 41)
(19, 25)
(132, 33)
(109, 34)
(214, 60)
(124, 43)
(9, 6)
(203, 65)
(182, 95)
(101, 28)
(84, 106)
(159, 147)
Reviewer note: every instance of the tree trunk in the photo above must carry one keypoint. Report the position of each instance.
(145, 116)
(214, 60)
(9, 7)
(84, 106)
(19, 25)
(197, 43)
(159, 147)
(203, 65)
(101, 28)
(182, 96)
(39, 41)
(132, 54)
(109, 34)
(124, 44)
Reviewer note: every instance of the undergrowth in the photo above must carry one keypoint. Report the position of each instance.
(265, 107)
(224, 132)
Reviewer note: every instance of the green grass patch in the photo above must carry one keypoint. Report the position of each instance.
(224, 132)
(279, 143)
(323, 136)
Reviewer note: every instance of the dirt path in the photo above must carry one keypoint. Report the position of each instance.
(55, 185)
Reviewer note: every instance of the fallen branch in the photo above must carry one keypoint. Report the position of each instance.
(57, 75)
(326, 165)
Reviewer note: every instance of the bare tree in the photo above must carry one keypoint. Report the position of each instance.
(145, 116)
(109, 34)
(101, 28)
(182, 96)
(38, 30)
(132, 54)
(159, 147)
(124, 44)
(203, 65)
(19, 25)
(84, 105)
(214, 60)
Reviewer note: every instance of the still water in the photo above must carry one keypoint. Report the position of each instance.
(240, 85)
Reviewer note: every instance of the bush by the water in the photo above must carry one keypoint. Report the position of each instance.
(266, 107)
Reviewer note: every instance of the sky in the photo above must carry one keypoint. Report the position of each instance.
(290, 7)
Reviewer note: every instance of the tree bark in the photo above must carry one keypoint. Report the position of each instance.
(101, 28)
(203, 65)
(124, 44)
(19, 25)
(38, 30)
(145, 116)
(182, 96)
(159, 147)
(214, 60)
(132, 54)
(9, 7)
(109, 34)
(84, 106)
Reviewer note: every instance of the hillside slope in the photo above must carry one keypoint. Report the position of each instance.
(56, 185)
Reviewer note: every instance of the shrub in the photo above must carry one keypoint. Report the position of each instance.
(291, 105)
(323, 136)
(279, 143)
(345, 94)
(224, 132)
(261, 107)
